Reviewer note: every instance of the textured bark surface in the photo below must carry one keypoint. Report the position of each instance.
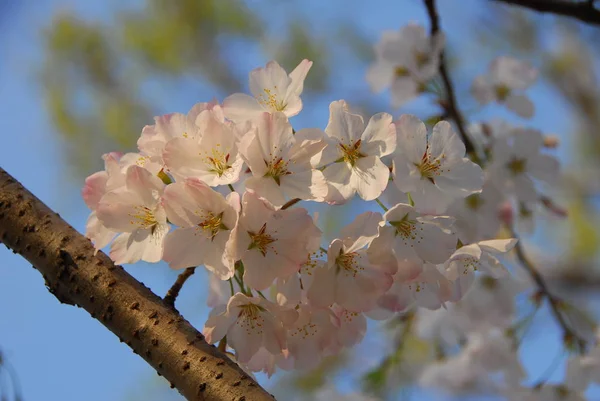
(155, 331)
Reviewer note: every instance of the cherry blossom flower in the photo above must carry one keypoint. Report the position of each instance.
(154, 138)
(205, 221)
(136, 212)
(310, 335)
(272, 90)
(271, 243)
(433, 169)
(283, 164)
(349, 278)
(210, 155)
(505, 82)
(356, 151)
(477, 215)
(249, 324)
(406, 60)
(412, 236)
(517, 161)
(351, 326)
(481, 256)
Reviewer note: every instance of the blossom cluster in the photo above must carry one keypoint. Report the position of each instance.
(222, 186)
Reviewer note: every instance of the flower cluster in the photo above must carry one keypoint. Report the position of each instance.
(220, 187)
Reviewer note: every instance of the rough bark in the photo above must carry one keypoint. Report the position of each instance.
(153, 330)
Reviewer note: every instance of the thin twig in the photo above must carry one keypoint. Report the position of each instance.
(173, 292)
(582, 10)
(569, 334)
(450, 104)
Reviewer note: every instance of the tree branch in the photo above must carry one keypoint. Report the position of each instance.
(79, 276)
(450, 105)
(582, 10)
(173, 292)
(569, 334)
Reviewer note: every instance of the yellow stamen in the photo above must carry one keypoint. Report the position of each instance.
(261, 240)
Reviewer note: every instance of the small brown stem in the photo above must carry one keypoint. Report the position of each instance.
(173, 292)
(290, 203)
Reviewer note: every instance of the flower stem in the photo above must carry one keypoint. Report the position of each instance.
(231, 187)
(385, 209)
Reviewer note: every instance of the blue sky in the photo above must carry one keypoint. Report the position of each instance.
(59, 352)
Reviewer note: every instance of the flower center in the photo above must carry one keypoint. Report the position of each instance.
(401, 71)
(250, 317)
(276, 169)
(144, 218)
(516, 166)
(218, 161)
(430, 168)
(405, 228)
(347, 262)
(261, 240)
(306, 331)
(421, 58)
(502, 92)
(351, 153)
(269, 100)
(213, 224)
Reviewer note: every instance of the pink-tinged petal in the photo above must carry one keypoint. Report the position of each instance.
(271, 80)
(139, 245)
(380, 75)
(445, 144)
(545, 168)
(185, 247)
(240, 107)
(498, 245)
(274, 334)
(338, 176)
(146, 185)
(365, 225)
(217, 324)
(521, 105)
(407, 177)
(180, 205)
(439, 243)
(267, 188)
(306, 185)
(513, 73)
(117, 210)
(370, 177)
(182, 156)
(353, 327)
(482, 90)
(408, 270)
(380, 250)
(461, 179)
(404, 89)
(298, 76)
(346, 127)
(462, 261)
(97, 233)
(321, 293)
(379, 137)
(411, 138)
(94, 189)
(308, 146)
(245, 337)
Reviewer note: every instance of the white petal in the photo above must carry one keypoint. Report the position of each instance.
(521, 105)
(379, 137)
(240, 107)
(370, 177)
(412, 137)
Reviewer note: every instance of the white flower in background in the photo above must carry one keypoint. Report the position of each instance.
(406, 61)
(506, 80)
(204, 221)
(272, 90)
(477, 215)
(355, 152)
(210, 155)
(517, 161)
(351, 326)
(154, 138)
(412, 236)
(434, 169)
(283, 163)
(349, 278)
(272, 243)
(136, 212)
(481, 256)
(249, 324)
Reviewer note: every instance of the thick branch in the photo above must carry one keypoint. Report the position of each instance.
(77, 276)
(450, 105)
(582, 10)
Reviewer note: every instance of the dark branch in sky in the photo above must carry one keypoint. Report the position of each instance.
(583, 10)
